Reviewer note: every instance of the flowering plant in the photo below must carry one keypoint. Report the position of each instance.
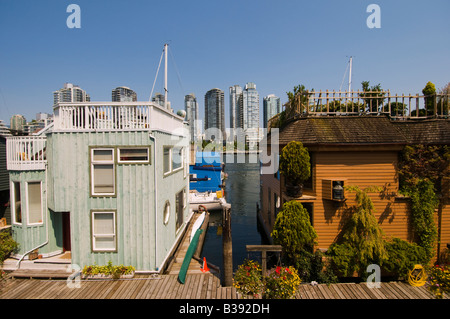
(108, 270)
(281, 283)
(439, 280)
(248, 278)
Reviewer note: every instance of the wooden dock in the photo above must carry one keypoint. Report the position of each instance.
(196, 262)
(197, 286)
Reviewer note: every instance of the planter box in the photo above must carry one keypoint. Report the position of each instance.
(103, 277)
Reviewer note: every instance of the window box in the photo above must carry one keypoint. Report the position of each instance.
(333, 189)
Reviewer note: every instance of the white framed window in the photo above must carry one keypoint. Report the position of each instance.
(16, 203)
(179, 209)
(167, 159)
(177, 158)
(134, 155)
(103, 177)
(34, 203)
(186, 161)
(104, 231)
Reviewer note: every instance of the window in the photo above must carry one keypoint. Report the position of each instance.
(167, 160)
(34, 203)
(173, 159)
(133, 155)
(103, 172)
(177, 158)
(166, 212)
(17, 204)
(179, 204)
(103, 231)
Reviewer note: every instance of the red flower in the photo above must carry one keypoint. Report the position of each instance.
(278, 269)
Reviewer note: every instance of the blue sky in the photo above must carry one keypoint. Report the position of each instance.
(275, 44)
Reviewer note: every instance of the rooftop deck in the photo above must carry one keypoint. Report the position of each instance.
(399, 107)
(114, 116)
(29, 152)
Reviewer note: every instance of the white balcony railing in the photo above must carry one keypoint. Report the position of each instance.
(26, 153)
(114, 116)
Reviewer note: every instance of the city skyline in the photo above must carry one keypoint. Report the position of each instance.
(408, 50)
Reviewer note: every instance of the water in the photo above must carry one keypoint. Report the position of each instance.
(242, 192)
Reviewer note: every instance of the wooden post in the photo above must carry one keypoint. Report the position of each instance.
(227, 246)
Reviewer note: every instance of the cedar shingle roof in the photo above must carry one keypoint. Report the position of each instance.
(356, 130)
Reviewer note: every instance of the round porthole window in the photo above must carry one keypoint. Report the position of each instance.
(166, 212)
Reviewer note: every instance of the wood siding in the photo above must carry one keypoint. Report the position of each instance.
(143, 240)
(356, 168)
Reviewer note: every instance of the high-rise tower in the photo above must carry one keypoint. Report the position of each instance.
(271, 107)
(70, 93)
(191, 108)
(214, 112)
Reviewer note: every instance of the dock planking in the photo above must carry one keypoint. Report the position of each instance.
(197, 286)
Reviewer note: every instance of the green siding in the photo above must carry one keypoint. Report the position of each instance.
(134, 203)
(32, 236)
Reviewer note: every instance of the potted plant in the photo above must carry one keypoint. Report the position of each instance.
(281, 283)
(248, 279)
(295, 166)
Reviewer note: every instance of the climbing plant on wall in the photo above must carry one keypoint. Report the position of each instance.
(423, 172)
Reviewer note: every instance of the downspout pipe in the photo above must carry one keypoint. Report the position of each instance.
(156, 196)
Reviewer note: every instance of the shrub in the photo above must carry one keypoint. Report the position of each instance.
(402, 256)
(361, 242)
(7, 245)
(295, 162)
(293, 229)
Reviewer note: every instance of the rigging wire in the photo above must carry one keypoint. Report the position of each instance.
(348, 64)
(157, 71)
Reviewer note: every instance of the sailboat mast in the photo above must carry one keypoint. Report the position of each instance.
(165, 77)
(350, 76)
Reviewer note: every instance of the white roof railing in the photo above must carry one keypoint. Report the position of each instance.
(114, 116)
(25, 153)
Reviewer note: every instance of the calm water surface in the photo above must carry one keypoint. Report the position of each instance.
(242, 192)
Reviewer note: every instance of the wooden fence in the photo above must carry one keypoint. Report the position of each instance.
(320, 103)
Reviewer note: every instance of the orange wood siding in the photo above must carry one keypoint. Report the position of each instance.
(356, 168)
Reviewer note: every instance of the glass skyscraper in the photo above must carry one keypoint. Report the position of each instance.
(214, 112)
(191, 108)
(235, 95)
(271, 107)
(249, 113)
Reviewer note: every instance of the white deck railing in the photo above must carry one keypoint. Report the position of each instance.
(26, 153)
(114, 116)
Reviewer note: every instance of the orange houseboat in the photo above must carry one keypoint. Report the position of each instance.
(356, 150)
